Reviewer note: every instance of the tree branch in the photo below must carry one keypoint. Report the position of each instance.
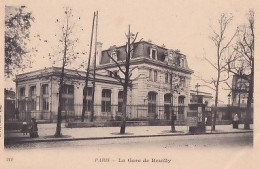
(115, 62)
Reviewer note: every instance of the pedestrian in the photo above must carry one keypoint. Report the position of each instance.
(206, 120)
(34, 129)
(24, 128)
(235, 121)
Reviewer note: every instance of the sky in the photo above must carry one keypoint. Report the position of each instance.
(180, 24)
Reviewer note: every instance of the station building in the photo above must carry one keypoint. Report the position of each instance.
(160, 79)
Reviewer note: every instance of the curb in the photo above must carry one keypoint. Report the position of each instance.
(7, 141)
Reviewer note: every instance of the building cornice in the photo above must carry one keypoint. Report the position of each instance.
(69, 73)
(145, 60)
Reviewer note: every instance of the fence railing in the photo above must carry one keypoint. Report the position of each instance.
(133, 112)
(110, 112)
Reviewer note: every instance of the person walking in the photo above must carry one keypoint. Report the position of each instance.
(235, 121)
(34, 129)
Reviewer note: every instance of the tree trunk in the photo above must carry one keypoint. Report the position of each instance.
(215, 109)
(84, 103)
(249, 98)
(59, 118)
(123, 122)
(173, 119)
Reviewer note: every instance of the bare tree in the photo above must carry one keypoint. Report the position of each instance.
(222, 45)
(124, 68)
(242, 64)
(67, 43)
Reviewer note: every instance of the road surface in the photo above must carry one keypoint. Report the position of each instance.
(234, 140)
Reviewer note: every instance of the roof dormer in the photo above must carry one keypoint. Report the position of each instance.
(170, 56)
(153, 52)
(113, 53)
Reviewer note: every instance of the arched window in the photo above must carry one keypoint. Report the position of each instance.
(152, 102)
(106, 100)
(167, 98)
(120, 101)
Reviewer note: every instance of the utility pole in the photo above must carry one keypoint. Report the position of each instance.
(87, 74)
(94, 72)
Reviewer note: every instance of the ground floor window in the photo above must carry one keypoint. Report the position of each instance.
(32, 104)
(167, 105)
(67, 104)
(152, 102)
(45, 104)
(106, 100)
(120, 101)
(89, 98)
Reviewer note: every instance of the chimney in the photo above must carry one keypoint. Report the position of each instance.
(99, 53)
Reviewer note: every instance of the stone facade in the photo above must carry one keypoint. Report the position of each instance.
(161, 75)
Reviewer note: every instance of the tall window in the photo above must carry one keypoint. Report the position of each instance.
(155, 75)
(150, 75)
(89, 98)
(45, 89)
(32, 90)
(153, 53)
(68, 89)
(22, 92)
(167, 105)
(170, 78)
(67, 104)
(45, 103)
(106, 100)
(166, 77)
(182, 81)
(32, 103)
(45, 97)
(167, 98)
(181, 99)
(151, 102)
(68, 98)
(120, 101)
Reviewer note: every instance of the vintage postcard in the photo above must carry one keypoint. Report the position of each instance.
(125, 84)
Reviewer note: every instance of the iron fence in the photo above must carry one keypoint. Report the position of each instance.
(74, 112)
(133, 112)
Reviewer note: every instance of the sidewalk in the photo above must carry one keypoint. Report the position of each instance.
(46, 132)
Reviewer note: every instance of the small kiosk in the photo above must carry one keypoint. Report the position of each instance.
(196, 118)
